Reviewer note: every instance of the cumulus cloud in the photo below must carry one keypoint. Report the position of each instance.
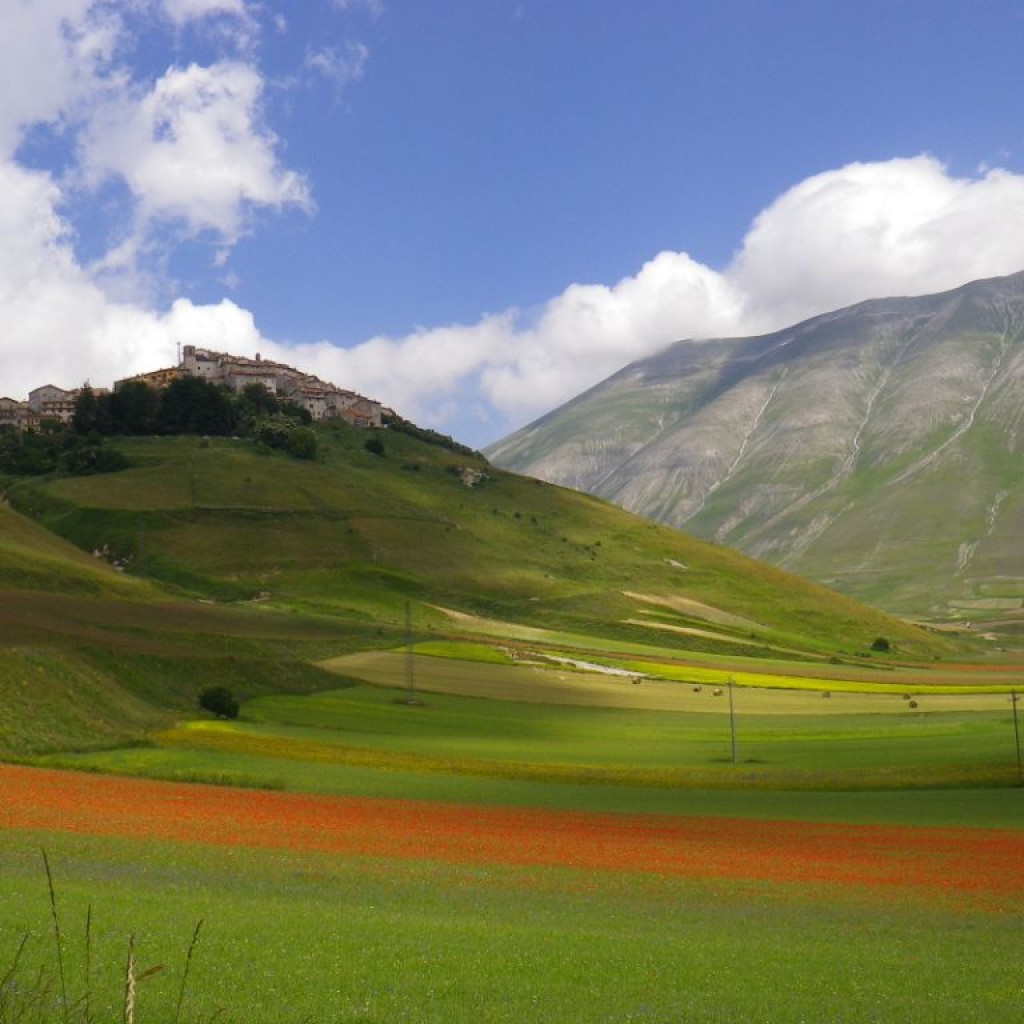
(192, 149)
(901, 227)
(52, 55)
(188, 149)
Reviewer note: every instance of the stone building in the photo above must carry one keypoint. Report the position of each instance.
(323, 400)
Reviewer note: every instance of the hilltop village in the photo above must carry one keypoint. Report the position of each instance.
(323, 400)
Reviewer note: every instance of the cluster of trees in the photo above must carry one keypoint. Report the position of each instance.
(54, 449)
(403, 426)
(189, 405)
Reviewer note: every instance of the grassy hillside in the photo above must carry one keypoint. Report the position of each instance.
(355, 535)
(91, 657)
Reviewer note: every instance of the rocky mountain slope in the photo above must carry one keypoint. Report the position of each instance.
(877, 449)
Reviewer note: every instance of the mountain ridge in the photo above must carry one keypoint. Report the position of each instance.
(826, 447)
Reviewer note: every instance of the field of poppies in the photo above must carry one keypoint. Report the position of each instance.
(360, 909)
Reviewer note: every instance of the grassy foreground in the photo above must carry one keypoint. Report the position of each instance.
(304, 936)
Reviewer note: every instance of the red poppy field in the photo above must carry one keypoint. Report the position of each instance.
(353, 909)
(978, 862)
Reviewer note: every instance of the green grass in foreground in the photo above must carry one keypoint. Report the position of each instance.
(295, 937)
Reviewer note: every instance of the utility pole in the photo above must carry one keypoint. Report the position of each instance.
(409, 683)
(732, 723)
(1016, 738)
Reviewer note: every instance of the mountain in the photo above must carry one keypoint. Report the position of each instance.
(878, 449)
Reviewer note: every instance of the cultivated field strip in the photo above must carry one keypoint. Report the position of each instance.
(981, 863)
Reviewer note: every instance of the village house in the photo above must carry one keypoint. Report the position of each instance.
(52, 403)
(46, 404)
(322, 399)
(154, 378)
(13, 413)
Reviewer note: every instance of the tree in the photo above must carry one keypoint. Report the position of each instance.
(880, 644)
(220, 701)
(86, 417)
(133, 409)
(301, 443)
(255, 400)
(191, 405)
(272, 432)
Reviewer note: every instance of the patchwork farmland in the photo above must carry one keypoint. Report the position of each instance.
(488, 775)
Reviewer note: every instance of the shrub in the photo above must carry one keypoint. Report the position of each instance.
(220, 701)
(375, 446)
(880, 644)
(402, 426)
(301, 443)
(271, 432)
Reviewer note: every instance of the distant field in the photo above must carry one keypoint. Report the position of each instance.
(531, 724)
(494, 859)
(756, 692)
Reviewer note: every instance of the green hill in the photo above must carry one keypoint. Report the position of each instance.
(91, 657)
(243, 568)
(355, 535)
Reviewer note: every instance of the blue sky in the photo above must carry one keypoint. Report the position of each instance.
(475, 209)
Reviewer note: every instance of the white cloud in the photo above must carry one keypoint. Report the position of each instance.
(182, 11)
(188, 148)
(902, 227)
(898, 227)
(193, 150)
(339, 66)
(57, 326)
(52, 53)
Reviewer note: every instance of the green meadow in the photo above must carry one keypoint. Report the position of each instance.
(300, 937)
(394, 633)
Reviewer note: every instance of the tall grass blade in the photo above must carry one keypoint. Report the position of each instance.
(188, 964)
(88, 964)
(8, 993)
(13, 969)
(56, 933)
(129, 984)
